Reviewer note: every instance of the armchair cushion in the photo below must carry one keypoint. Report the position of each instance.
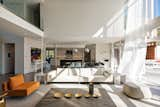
(27, 88)
(99, 72)
(17, 87)
(15, 81)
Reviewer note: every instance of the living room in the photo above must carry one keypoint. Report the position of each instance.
(79, 53)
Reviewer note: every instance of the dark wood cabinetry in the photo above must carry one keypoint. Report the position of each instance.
(151, 51)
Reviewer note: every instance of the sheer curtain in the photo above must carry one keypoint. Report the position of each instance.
(134, 54)
(115, 29)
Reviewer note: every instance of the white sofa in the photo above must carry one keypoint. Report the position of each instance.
(80, 75)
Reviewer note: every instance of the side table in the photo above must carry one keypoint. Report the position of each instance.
(117, 79)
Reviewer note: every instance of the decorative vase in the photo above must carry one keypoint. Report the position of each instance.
(91, 88)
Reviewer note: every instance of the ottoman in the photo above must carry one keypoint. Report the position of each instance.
(137, 91)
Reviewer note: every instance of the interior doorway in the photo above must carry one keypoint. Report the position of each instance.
(9, 58)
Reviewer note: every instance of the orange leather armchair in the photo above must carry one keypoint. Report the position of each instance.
(16, 86)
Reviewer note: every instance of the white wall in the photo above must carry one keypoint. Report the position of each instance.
(103, 51)
(22, 52)
(19, 53)
(28, 44)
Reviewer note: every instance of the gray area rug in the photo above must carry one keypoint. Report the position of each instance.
(49, 101)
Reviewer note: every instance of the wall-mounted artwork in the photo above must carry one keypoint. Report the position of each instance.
(35, 54)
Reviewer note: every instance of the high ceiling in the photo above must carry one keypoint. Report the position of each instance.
(73, 21)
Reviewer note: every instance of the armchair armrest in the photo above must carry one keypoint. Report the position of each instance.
(5, 86)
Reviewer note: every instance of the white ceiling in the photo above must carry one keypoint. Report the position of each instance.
(76, 21)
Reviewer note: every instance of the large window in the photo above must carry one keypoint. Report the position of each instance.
(135, 16)
(152, 8)
(156, 8)
(116, 26)
(50, 53)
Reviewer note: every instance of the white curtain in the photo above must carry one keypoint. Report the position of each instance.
(133, 60)
(115, 29)
(134, 54)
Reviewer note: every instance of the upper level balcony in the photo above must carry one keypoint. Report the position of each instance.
(29, 10)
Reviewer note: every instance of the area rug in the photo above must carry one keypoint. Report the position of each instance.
(49, 101)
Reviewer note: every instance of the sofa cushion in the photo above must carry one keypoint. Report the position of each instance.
(99, 72)
(27, 87)
(15, 81)
(101, 78)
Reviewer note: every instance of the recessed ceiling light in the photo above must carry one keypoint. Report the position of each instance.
(76, 50)
(87, 50)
